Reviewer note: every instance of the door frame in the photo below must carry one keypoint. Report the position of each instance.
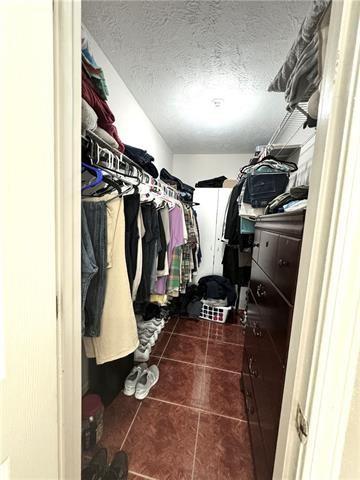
(67, 88)
(318, 326)
(324, 344)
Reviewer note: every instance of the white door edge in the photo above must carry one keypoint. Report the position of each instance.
(67, 66)
(325, 343)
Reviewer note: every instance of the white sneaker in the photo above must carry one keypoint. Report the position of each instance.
(144, 341)
(147, 380)
(151, 337)
(151, 325)
(133, 378)
(142, 354)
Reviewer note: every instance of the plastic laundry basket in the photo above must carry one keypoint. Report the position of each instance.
(213, 313)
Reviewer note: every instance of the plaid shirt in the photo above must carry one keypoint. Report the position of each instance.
(174, 279)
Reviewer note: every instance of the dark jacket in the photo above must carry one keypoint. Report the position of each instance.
(215, 286)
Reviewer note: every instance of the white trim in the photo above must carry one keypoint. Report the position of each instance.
(67, 45)
(325, 337)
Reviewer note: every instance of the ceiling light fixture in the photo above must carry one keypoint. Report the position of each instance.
(218, 102)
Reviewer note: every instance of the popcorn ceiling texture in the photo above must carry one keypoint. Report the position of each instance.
(176, 56)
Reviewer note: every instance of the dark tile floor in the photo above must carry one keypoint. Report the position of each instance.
(193, 424)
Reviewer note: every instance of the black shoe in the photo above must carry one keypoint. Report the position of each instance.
(119, 467)
(96, 468)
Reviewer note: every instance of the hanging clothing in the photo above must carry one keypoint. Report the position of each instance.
(149, 246)
(176, 227)
(164, 213)
(118, 335)
(162, 252)
(94, 219)
(89, 267)
(131, 209)
(174, 281)
(139, 258)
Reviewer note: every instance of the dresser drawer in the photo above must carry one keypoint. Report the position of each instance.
(274, 311)
(267, 381)
(257, 443)
(287, 263)
(267, 252)
(256, 334)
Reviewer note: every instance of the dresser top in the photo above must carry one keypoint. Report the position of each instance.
(288, 223)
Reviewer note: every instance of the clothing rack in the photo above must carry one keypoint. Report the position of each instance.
(120, 163)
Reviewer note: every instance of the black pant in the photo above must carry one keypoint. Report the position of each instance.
(152, 234)
(131, 210)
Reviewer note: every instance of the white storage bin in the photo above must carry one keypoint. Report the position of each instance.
(214, 313)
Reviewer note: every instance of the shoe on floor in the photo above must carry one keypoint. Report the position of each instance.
(142, 354)
(118, 470)
(151, 325)
(96, 467)
(151, 337)
(147, 380)
(132, 379)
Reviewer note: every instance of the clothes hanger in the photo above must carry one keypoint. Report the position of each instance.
(94, 171)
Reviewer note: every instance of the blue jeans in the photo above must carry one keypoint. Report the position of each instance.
(93, 265)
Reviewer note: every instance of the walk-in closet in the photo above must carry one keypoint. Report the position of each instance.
(179, 240)
(199, 124)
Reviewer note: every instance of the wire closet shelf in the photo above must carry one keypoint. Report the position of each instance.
(120, 163)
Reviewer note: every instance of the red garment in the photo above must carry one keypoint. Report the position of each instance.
(106, 118)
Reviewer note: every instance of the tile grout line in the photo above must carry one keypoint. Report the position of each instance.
(197, 409)
(141, 475)
(131, 424)
(170, 335)
(195, 448)
(167, 343)
(216, 340)
(198, 365)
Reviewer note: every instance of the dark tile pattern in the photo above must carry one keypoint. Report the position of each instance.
(161, 442)
(221, 394)
(227, 333)
(160, 345)
(223, 450)
(186, 349)
(193, 328)
(170, 325)
(224, 356)
(117, 420)
(200, 364)
(179, 383)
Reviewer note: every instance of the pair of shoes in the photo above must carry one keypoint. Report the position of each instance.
(98, 468)
(140, 380)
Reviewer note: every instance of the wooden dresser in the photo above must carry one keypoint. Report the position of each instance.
(274, 270)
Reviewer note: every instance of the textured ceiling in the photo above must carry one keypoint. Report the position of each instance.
(176, 56)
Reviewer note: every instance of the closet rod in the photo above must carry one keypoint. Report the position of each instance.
(145, 178)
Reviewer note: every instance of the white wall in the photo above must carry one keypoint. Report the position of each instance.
(192, 168)
(134, 127)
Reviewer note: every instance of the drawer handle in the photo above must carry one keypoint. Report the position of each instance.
(257, 330)
(283, 263)
(253, 371)
(260, 291)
